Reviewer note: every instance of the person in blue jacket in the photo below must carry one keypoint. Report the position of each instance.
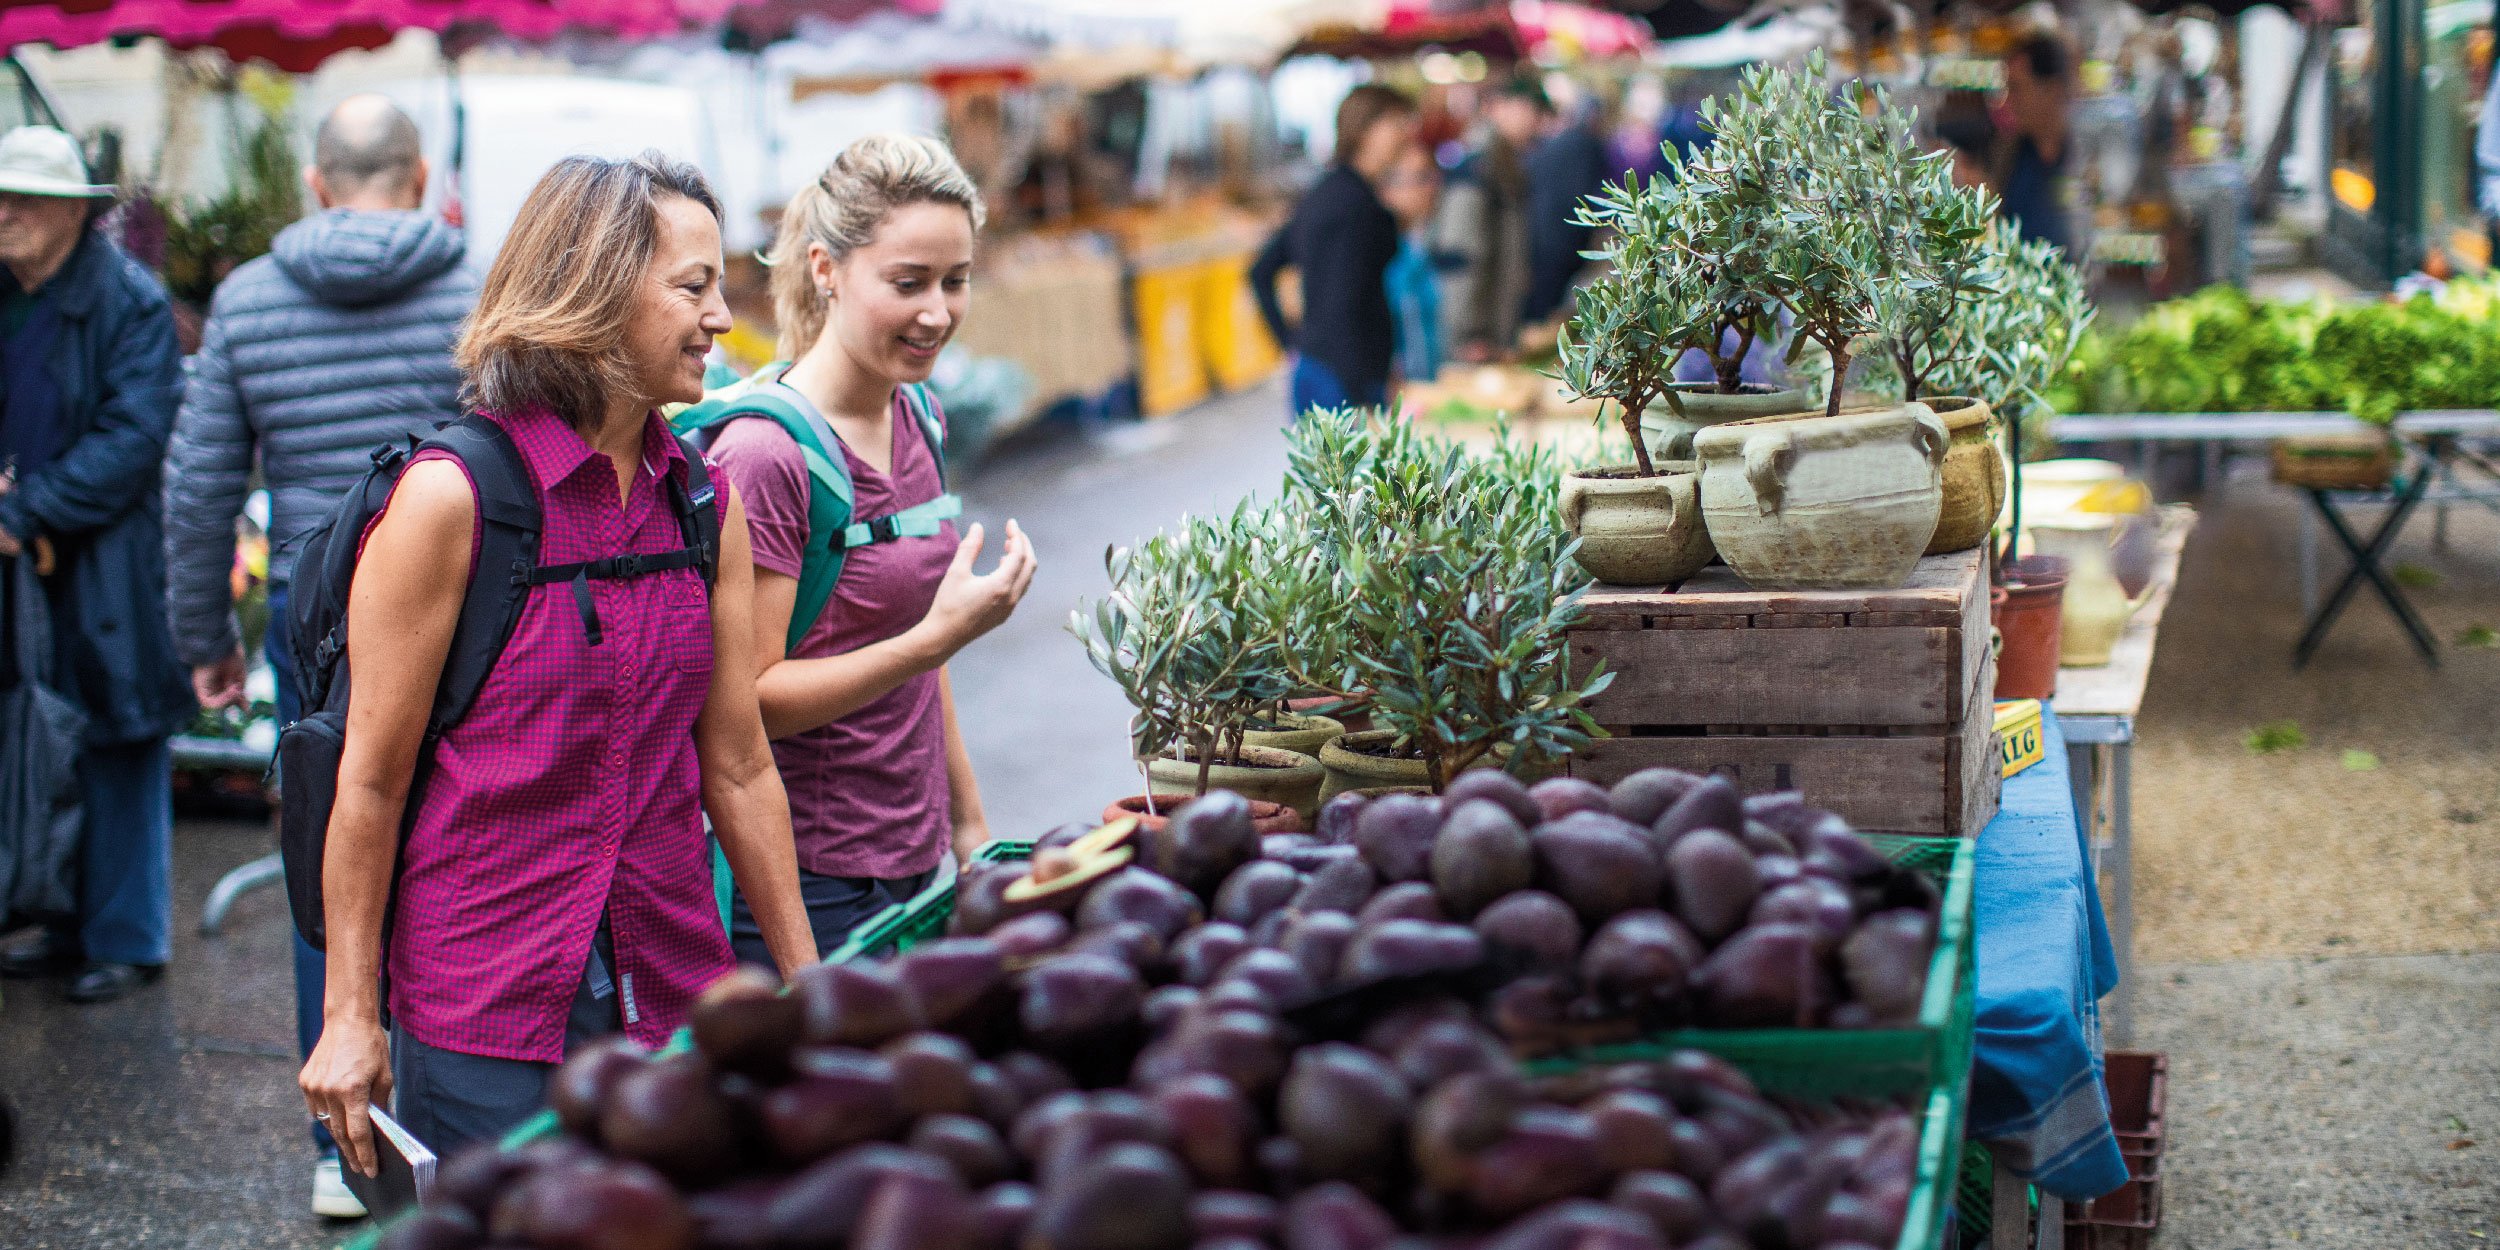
(92, 379)
(1341, 240)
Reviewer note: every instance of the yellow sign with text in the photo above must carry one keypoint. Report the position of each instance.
(2020, 740)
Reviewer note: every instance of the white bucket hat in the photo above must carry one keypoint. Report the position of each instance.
(42, 160)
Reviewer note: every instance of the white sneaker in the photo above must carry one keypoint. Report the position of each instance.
(331, 1196)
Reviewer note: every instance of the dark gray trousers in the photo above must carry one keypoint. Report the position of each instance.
(448, 1099)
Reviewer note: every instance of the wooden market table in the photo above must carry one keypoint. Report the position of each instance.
(2438, 440)
(2098, 707)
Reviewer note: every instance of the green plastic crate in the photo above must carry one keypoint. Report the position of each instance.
(1827, 1063)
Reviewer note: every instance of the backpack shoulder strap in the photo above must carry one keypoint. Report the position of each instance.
(924, 413)
(829, 496)
(508, 528)
(698, 513)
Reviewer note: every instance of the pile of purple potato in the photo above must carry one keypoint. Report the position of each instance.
(1193, 1038)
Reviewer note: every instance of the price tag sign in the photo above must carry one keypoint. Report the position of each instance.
(2019, 738)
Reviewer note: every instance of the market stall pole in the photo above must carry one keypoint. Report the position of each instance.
(2097, 708)
(2439, 442)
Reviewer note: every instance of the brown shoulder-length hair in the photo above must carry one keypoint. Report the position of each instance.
(1363, 108)
(549, 328)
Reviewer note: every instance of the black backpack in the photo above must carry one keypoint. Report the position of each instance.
(499, 582)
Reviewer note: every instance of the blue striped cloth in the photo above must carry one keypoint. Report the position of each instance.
(2045, 961)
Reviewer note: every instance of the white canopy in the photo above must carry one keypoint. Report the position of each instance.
(1200, 31)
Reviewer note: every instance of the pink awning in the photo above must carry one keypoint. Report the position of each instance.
(296, 35)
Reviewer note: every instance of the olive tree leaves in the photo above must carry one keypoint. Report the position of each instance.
(1398, 570)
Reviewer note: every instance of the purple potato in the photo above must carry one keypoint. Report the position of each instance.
(822, 1205)
(1336, 1216)
(1767, 976)
(671, 1114)
(1597, 864)
(1714, 882)
(1557, 797)
(1549, 1154)
(1031, 936)
(1410, 900)
(1164, 1007)
(1000, 1215)
(1339, 885)
(1530, 931)
(1671, 1202)
(1395, 835)
(1496, 787)
(1337, 817)
(1072, 1002)
(1233, 1213)
(840, 1098)
(1712, 804)
(1318, 942)
(1276, 974)
(1482, 853)
(853, 1004)
(1640, 959)
(1885, 964)
(1137, 896)
(1458, 1120)
(1130, 1197)
(1646, 795)
(932, 1074)
(1347, 1110)
(971, 1147)
(1254, 890)
(1444, 1049)
(1214, 1129)
(1742, 1192)
(1632, 1130)
(1202, 845)
(1819, 903)
(1408, 948)
(949, 980)
(1203, 951)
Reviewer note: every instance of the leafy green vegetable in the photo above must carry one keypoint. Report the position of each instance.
(2282, 735)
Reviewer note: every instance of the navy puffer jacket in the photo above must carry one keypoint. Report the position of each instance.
(335, 343)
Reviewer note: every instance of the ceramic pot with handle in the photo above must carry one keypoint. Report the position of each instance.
(1814, 502)
(1688, 408)
(1974, 475)
(1638, 531)
(2096, 608)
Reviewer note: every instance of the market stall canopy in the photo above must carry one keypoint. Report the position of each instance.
(1510, 30)
(757, 23)
(297, 35)
(1196, 31)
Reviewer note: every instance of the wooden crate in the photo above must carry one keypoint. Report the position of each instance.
(1877, 704)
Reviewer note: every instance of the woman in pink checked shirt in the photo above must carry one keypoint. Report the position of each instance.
(554, 883)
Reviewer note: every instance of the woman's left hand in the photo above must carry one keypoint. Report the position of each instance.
(970, 837)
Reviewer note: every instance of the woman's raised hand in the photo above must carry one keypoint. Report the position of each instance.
(970, 604)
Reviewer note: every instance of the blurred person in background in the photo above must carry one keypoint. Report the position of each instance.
(1966, 129)
(1571, 164)
(2031, 157)
(1341, 239)
(1411, 189)
(1483, 226)
(92, 378)
(872, 275)
(335, 343)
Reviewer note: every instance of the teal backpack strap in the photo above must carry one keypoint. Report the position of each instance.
(828, 497)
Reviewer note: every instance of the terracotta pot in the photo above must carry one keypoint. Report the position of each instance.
(1286, 778)
(2026, 617)
(1809, 501)
(1688, 408)
(1300, 734)
(1974, 475)
(1266, 817)
(1638, 531)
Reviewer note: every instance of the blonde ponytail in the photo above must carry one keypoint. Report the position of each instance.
(841, 211)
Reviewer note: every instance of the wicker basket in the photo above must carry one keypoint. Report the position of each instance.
(2335, 462)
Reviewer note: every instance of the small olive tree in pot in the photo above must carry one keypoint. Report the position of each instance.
(1189, 633)
(1434, 587)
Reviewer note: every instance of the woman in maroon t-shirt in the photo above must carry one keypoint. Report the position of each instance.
(871, 276)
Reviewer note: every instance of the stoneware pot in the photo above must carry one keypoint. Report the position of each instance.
(2026, 620)
(1350, 769)
(1974, 475)
(2096, 607)
(1688, 408)
(1265, 817)
(1353, 715)
(1638, 531)
(1264, 774)
(1295, 732)
(1812, 502)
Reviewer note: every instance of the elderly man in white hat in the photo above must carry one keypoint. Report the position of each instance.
(89, 380)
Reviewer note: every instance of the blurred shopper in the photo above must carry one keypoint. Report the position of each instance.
(337, 342)
(1484, 226)
(1410, 190)
(88, 362)
(1967, 130)
(2032, 143)
(1341, 239)
(554, 883)
(1571, 164)
(2487, 161)
(872, 275)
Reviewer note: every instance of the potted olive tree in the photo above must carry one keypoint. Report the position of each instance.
(1640, 524)
(1190, 632)
(1823, 499)
(1690, 251)
(1434, 587)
